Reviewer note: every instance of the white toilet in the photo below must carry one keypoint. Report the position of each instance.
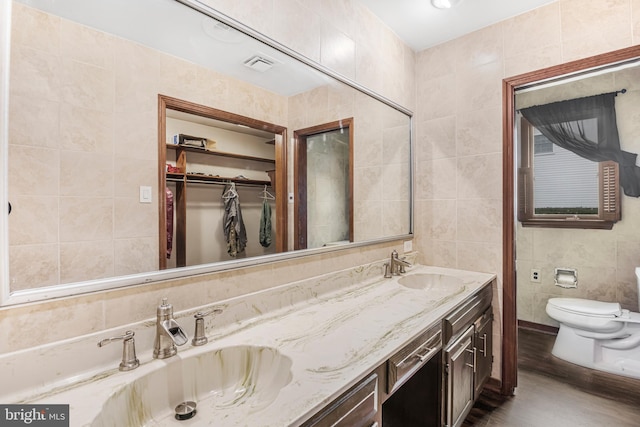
(598, 335)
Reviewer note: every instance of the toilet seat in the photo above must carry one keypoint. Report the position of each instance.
(585, 307)
(593, 318)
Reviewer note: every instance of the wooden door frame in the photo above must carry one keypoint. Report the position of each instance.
(299, 177)
(509, 314)
(280, 132)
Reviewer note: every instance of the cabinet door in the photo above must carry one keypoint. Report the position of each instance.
(484, 355)
(459, 375)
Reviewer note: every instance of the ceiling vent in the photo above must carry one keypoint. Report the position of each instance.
(259, 63)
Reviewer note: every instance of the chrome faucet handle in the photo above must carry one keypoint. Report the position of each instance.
(387, 271)
(199, 338)
(404, 264)
(129, 359)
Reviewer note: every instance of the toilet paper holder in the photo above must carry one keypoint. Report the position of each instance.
(566, 277)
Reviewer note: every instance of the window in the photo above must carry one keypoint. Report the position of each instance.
(558, 188)
(541, 144)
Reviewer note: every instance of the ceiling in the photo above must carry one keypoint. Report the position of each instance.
(421, 25)
(170, 27)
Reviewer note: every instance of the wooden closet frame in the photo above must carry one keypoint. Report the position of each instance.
(167, 102)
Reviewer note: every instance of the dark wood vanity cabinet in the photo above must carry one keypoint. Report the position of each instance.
(483, 342)
(458, 385)
(467, 356)
(358, 407)
(433, 381)
(413, 389)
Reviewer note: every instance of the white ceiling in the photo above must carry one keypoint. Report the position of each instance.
(421, 25)
(173, 28)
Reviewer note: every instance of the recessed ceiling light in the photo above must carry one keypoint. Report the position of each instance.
(445, 4)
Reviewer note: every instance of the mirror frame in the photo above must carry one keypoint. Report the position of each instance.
(509, 85)
(63, 290)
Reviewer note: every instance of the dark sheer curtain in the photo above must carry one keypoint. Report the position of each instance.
(564, 124)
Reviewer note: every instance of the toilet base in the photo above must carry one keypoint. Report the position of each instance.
(589, 352)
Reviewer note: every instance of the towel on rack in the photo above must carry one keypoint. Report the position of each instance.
(234, 230)
(265, 224)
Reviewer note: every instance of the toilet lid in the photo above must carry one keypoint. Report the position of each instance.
(586, 306)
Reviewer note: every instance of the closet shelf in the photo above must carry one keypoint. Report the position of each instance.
(219, 153)
(206, 179)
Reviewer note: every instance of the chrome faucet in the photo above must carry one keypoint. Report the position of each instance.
(168, 332)
(395, 266)
(129, 359)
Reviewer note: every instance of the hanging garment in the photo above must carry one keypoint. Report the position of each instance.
(265, 225)
(169, 218)
(234, 230)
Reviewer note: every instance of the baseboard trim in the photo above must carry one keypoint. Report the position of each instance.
(524, 324)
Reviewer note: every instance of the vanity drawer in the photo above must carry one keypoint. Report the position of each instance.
(356, 408)
(461, 318)
(413, 356)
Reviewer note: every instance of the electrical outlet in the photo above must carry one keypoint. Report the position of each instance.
(535, 275)
(408, 245)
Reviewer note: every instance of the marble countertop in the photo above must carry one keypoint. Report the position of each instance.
(333, 340)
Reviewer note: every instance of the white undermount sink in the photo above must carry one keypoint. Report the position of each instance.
(246, 376)
(436, 285)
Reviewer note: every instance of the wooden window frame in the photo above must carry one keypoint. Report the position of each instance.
(609, 211)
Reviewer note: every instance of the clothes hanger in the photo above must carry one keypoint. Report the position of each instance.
(265, 195)
(231, 192)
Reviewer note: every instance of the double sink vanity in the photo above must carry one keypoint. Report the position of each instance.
(350, 348)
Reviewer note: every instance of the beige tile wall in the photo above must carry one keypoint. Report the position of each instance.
(381, 153)
(84, 189)
(327, 27)
(459, 119)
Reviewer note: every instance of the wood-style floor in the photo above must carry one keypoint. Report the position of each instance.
(555, 393)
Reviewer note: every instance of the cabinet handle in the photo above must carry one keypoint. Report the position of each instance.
(484, 344)
(473, 364)
(423, 356)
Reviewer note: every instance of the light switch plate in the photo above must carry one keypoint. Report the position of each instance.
(145, 194)
(408, 245)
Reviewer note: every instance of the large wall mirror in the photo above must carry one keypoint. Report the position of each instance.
(94, 86)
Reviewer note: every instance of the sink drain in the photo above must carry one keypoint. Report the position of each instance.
(185, 410)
